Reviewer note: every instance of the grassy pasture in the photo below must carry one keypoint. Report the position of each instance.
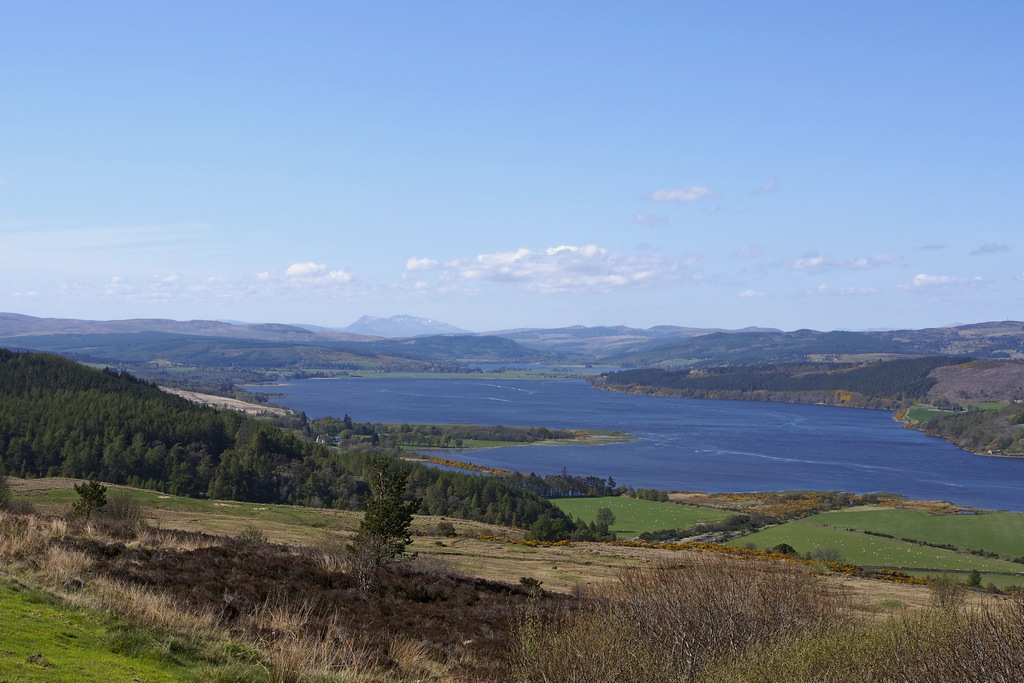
(634, 516)
(76, 644)
(281, 523)
(999, 532)
(862, 549)
(922, 412)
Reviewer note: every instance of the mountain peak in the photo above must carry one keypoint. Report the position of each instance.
(401, 326)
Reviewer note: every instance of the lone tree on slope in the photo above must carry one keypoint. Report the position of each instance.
(91, 496)
(384, 531)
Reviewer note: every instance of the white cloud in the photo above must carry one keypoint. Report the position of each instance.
(304, 269)
(680, 195)
(752, 294)
(339, 276)
(564, 268)
(305, 276)
(826, 290)
(990, 249)
(421, 264)
(925, 281)
(817, 262)
(770, 186)
(870, 262)
(167, 281)
(809, 260)
(117, 285)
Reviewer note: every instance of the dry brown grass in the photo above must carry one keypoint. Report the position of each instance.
(930, 646)
(722, 619)
(330, 553)
(65, 568)
(298, 607)
(151, 608)
(443, 617)
(295, 652)
(672, 622)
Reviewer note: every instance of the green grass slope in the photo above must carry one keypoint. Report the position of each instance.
(634, 516)
(43, 639)
(873, 551)
(999, 532)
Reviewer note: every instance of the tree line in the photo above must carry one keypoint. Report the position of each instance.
(982, 431)
(882, 384)
(60, 418)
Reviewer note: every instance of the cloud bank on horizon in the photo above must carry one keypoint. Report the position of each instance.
(496, 167)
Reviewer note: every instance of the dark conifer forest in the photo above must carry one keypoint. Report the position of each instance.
(60, 418)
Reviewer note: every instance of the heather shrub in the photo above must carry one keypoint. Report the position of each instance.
(122, 507)
(252, 534)
(933, 646)
(5, 492)
(673, 622)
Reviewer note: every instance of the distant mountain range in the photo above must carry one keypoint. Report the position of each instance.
(15, 325)
(407, 338)
(601, 342)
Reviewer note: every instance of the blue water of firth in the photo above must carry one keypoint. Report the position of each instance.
(682, 444)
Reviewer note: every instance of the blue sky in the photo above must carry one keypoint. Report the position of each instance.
(500, 165)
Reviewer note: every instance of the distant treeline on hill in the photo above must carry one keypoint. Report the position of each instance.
(883, 384)
(983, 431)
(59, 418)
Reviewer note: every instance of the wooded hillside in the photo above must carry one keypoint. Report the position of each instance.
(61, 418)
(884, 384)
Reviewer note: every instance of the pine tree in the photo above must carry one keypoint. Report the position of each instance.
(91, 496)
(384, 531)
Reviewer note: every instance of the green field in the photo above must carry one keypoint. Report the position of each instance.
(999, 532)
(873, 551)
(921, 412)
(76, 645)
(634, 516)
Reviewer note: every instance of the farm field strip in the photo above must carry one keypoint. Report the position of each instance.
(634, 516)
(1000, 532)
(873, 551)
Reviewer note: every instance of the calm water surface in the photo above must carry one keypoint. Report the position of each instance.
(683, 444)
